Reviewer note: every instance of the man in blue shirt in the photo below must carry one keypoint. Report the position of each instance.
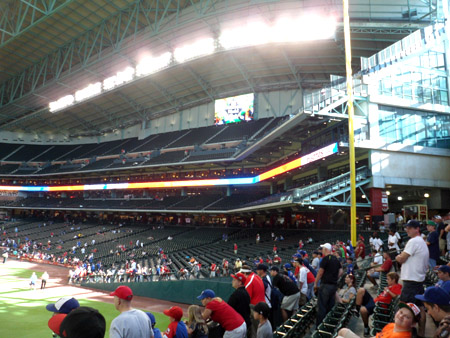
(433, 244)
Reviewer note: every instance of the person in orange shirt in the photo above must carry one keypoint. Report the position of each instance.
(406, 318)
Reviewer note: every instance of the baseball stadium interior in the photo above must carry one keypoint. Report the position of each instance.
(146, 143)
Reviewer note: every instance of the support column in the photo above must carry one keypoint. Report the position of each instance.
(322, 174)
(376, 212)
(287, 182)
(183, 192)
(229, 189)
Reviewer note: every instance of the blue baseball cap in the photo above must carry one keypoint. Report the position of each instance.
(444, 268)
(287, 266)
(302, 252)
(435, 295)
(208, 293)
(297, 255)
(151, 317)
(63, 305)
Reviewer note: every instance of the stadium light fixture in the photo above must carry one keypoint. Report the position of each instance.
(150, 65)
(61, 103)
(91, 90)
(199, 48)
(119, 79)
(255, 33)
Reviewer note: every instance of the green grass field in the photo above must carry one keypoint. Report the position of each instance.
(23, 311)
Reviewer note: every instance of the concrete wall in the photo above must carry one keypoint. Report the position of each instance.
(410, 169)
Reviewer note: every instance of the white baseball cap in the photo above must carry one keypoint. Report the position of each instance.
(327, 246)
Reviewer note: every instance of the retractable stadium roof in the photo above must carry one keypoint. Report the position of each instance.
(52, 48)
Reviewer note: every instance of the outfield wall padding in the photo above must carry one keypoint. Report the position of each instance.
(180, 291)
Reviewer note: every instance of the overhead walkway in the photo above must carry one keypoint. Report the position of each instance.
(333, 192)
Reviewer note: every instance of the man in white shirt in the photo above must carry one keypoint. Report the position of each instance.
(377, 242)
(302, 281)
(414, 260)
(393, 242)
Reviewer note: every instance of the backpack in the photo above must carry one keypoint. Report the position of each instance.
(275, 294)
(275, 298)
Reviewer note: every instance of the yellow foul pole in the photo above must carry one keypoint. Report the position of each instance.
(351, 144)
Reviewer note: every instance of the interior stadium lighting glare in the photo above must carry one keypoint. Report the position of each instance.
(91, 90)
(426, 195)
(61, 103)
(150, 65)
(253, 34)
(363, 196)
(388, 192)
(305, 28)
(199, 48)
(400, 198)
(314, 156)
(120, 78)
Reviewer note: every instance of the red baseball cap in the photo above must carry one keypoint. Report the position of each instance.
(123, 292)
(55, 321)
(240, 277)
(175, 312)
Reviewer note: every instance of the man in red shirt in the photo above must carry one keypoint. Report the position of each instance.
(385, 267)
(220, 312)
(255, 288)
(360, 250)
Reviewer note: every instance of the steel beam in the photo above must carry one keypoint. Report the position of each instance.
(20, 16)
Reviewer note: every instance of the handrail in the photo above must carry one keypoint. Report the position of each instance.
(361, 173)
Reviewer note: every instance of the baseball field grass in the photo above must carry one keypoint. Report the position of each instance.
(22, 310)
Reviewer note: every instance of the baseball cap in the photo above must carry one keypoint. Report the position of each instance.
(287, 266)
(63, 305)
(297, 255)
(175, 312)
(262, 267)
(435, 295)
(431, 223)
(275, 268)
(55, 321)
(240, 277)
(123, 292)
(83, 322)
(327, 246)
(411, 307)
(302, 252)
(208, 293)
(151, 317)
(444, 268)
(437, 217)
(413, 224)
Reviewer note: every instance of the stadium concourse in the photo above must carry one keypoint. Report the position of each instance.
(167, 144)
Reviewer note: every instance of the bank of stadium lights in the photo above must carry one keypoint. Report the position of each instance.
(307, 28)
(150, 65)
(119, 79)
(89, 91)
(284, 30)
(197, 49)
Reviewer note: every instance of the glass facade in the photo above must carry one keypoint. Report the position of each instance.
(413, 127)
(421, 79)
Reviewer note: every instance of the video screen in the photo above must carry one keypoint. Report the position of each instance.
(234, 109)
